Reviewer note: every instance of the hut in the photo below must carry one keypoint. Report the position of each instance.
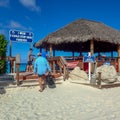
(83, 36)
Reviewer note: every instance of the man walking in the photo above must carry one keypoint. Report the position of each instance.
(41, 67)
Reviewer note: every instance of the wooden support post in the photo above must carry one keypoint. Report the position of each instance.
(64, 73)
(119, 58)
(93, 79)
(89, 68)
(50, 62)
(99, 80)
(10, 56)
(51, 50)
(92, 52)
(12, 66)
(53, 66)
(17, 68)
(17, 74)
(92, 47)
(60, 71)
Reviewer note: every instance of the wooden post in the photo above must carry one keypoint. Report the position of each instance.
(53, 66)
(10, 56)
(51, 50)
(99, 80)
(60, 70)
(50, 64)
(92, 47)
(17, 74)
(92, 52)
(17, 68)
(119, 58)
(12, 66)
(89, 68)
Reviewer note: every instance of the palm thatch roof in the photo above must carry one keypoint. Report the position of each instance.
(76, 36)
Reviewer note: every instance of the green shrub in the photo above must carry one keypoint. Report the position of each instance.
(3, 50)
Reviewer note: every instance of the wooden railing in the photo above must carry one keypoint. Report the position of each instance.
(61, 62)
(7, 58)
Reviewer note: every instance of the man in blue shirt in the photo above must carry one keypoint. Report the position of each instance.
(41, 67)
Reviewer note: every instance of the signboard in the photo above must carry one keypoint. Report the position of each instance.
(21, 36)
(88, 59)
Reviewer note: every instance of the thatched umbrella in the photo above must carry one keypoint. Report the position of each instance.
(83, 35)
(82, 31)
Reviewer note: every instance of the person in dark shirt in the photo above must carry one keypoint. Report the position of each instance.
(30, 59)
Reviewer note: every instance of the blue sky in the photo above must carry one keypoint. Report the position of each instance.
(45, 16)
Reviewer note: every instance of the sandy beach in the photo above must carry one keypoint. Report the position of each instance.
(68, 101)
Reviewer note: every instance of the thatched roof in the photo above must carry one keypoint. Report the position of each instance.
(76, 36)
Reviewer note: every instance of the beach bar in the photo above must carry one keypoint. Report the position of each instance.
(84, 35)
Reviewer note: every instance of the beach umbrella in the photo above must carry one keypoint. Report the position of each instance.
(82, 35)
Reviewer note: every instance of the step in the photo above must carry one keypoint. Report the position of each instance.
(5, 77)
(31, 75)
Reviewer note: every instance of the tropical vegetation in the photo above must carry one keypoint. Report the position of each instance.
(3, 50)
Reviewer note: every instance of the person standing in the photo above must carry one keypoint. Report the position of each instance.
(30, 59)
(42, 68)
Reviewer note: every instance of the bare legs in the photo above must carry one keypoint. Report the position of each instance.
(41, 81)
(29, 68)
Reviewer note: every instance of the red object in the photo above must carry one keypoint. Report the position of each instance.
(72, 64)
(116, 66)
(85, 67)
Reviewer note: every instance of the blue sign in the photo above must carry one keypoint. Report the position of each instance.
(89, 59)
(106, 63)
(20, 36)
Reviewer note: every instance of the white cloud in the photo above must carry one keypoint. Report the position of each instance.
(4, 3)
(4, 28)
(31, 4)
(28, 18)
(16, 25)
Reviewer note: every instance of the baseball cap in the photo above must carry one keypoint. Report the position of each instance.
(39, 54)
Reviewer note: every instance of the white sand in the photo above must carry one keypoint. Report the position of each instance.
(68, 101)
